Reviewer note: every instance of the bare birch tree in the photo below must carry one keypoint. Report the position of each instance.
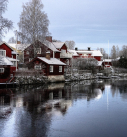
(33, 24)
(113, 52)
(12, 40)
(103, 52)
(5, 24)
(70, 44)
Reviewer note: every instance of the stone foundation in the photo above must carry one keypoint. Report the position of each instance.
(55, 78)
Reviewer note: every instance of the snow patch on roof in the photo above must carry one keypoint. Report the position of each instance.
(12, 59)
(52, 61)
(96, 53)
(58, 45)
(74, 53)
(107, 60)
(20, 47)
(5, 61)
(50, 45)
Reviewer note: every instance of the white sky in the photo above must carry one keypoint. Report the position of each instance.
(87, 22)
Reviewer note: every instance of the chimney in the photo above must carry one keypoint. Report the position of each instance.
(76, 49)
(18, 42)
(48, 55)
(88, 48)
(49, 38)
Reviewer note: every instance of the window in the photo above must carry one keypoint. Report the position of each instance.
(37, 67)
(38, 50)
(1, 70)
(51, 69)
(3, 52)
(30, 59)
(27, 52)
(63, 51)
(14, 63)
(60, 68)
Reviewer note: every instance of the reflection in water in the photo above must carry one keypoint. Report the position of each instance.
(61, 109)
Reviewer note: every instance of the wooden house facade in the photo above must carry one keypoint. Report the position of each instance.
(8, 62)
(39, 49)
(51, 67)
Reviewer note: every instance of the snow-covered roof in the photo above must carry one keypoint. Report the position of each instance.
(3, 42)
(12, 59)
(5, 61)
(20, 47)
(96, 53)
(73, 52)
(84, 51)
(92, 52)
(13, 52)
(50, 45)
(52, 61)
(58, 45)
(107, 60)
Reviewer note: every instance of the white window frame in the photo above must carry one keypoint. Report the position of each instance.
(38, 50)
(60, 68)
(63, 51)
(1, 70)
(14, 63)
(30, 59)
(51, 68)
(27, 52)
(37, 67)
(3, 52)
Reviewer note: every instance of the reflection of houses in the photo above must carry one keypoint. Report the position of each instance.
(51, 67)
(8, 62)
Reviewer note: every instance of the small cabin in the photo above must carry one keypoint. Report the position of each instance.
(51, 67)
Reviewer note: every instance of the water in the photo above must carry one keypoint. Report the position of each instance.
(84, 109)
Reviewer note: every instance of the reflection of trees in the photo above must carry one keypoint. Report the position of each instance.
(119, 86)
(86, 90)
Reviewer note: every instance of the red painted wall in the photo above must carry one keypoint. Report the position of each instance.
(57, 55)
(8, 50)
(98, 58)
(64, 47)
(44, 49)
(47, 66)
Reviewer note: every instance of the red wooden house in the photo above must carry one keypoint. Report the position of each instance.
(107, 62)
(8, 62)
(65, 55)
(51, 67)
(40, 51)
(87, 54)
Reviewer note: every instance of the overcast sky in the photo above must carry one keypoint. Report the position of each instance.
(87, 22)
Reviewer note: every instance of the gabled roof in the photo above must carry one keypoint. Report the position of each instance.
(58, 45)
(52, 61)
(5, 61)
(2, 42)
(20, 47)
(74, 53)
(107, 60)
(50, 45)
(96, 53)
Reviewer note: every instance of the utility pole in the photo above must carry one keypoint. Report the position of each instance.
(16, 48)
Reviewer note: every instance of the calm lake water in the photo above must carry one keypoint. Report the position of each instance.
(84, 109)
